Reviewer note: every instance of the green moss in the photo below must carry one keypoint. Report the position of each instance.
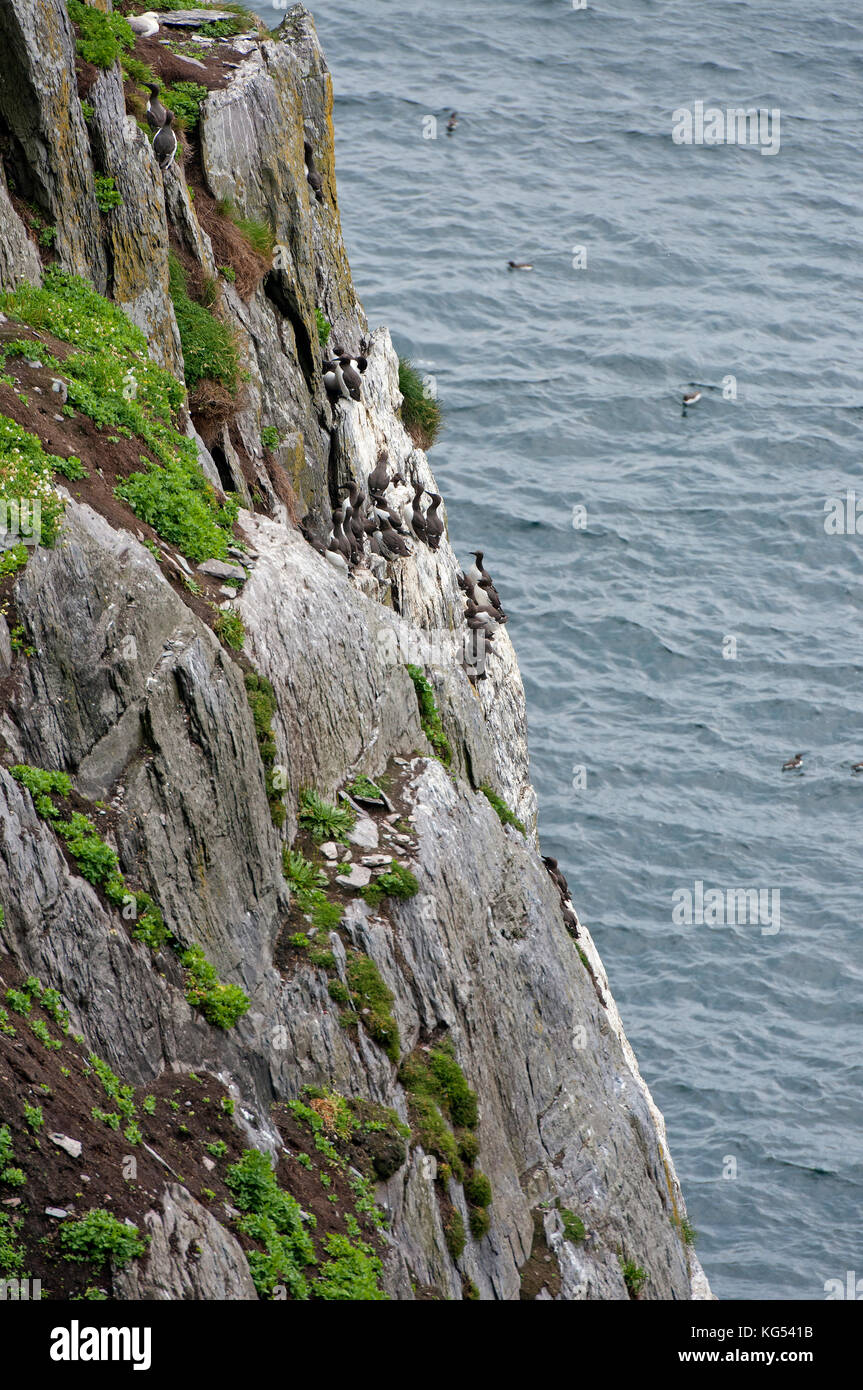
(324, 327)
(352, 1272)
(373, 1001)
(429, 717)
(12, 1254)
(477, 1189)
(103, 38)
(421, 414)
(364, 787)
(259, 235)
(262, 702)
(270, 437)
(504, 814)
(573, 1226)
(479, 1221)
(454, 1234)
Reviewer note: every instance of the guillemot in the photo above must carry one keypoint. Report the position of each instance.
(379, 478)
(857, 767)
(793, 763)
(156, 113)
(519, 265)
(418, 521)
(476, 571)
(144, 25)
(434, 524)
(316, 183)
(165, 143)
(452, 123)
(690, 397)
(351, 378)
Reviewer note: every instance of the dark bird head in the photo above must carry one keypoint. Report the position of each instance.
(152, 89)
(362, 363)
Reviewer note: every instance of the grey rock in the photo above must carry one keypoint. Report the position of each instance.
(71, 1146)
(364, 833)
(221, 569)
(190, 1256)
(357, 877)
(329, 849)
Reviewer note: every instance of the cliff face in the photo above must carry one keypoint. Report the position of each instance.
(121, 682)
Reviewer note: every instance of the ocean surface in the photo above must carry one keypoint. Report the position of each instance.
(698, 624)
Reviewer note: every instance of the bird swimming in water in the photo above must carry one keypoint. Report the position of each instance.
(690, 397)
(156, 113)
(857, 767)
(452, 123)
(793, 763)
(144, 25)
(165, 143)
(519, 265)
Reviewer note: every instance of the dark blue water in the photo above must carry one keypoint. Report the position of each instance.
(563, 387)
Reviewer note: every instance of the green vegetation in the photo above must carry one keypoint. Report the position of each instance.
(454, 1233)
(323, 820)
(634, 1276)
(479, 1221)
(107, 196)
(688, 1233)
(103, 38)
(26, 477)
(573, 1226)
(185, 100)
(10, 1174)
(100, 1237)
(325, 328)
(373, 1001)
(270, 437)
(112, 380)
(229, 628)
(395, 882)
(364, 787)
(275, 1219)
(352, 1272)
(135, 71)
(429, 717)
(262, 702)
(504, 814)
(12, 560)
(33, 1117)
(11, 1250)
(421, 413)
(477, 1189)
(222, 1005)
(259, 235)
(209, 345)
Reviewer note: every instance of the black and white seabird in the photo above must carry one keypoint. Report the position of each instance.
(144, 25)
(434, 523)
(351, 378)
(316, 183)
(157, 114)
(339, 540)
(418, 521)
(491, 593)
(452, 123)
(379, 478)
(793, 763)
(690, 397)
(477, 571)
(392, 541)
(519, 265)
(165, 143)
(857, 767)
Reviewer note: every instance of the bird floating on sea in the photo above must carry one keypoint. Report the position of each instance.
(452, 123)
(690, 398)
(793, 763)
(520, 265)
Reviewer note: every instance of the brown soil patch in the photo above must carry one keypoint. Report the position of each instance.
(540, 1271)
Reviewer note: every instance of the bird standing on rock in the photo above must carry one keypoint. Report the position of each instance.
(434, 523)
(165, 143)
(157, 114)
(144, 25)
(379, 478)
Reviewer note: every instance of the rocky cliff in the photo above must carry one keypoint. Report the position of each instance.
(198, 964)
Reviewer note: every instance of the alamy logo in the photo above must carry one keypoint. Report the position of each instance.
(20, 520)
(729, 907)
(77, 1343)
(736, 125)
(852, 1288)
